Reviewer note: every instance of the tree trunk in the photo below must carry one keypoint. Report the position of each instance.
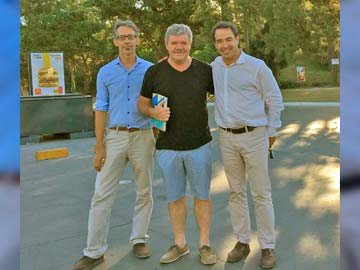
(246, 36)
(334, 68)
(86, 72)
(87, 81)
(72, 69)
(224, 10)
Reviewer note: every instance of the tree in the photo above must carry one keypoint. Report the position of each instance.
(279, 31)
(70, 28)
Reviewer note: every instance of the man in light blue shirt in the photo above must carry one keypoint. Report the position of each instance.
(118, 93)
(129, 138)
(247, 110)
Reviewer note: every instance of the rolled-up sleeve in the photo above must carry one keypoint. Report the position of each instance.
(102, 94)
(272, 97)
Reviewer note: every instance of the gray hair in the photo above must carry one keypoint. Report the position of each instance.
(125, 23)
(177, 30)
(224, 25)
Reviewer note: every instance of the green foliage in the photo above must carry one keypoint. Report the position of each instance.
(65, 27)
(314, 74)
(283, 33)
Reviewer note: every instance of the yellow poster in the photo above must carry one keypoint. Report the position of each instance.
(47, 73)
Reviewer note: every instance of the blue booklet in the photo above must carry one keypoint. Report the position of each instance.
(156, 99)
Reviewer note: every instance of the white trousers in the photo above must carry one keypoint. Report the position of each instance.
(138, 147)
(245, 157)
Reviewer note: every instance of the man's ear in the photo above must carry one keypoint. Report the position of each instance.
(115, 41)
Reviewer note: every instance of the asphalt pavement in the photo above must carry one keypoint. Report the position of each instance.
(56, 194)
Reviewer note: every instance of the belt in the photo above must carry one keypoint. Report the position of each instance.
(125, 129)
(239, 130)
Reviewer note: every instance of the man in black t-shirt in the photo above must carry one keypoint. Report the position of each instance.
(183, 150)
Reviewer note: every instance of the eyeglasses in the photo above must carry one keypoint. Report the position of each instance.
(129, 37)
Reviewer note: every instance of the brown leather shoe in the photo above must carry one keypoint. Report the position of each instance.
(238, 253)
(87, 263)
(268, 258)
(141, 250)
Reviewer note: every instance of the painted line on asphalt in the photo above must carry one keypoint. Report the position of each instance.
(320, 104)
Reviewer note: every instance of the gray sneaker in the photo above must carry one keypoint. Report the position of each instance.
(174, 253)
(207, 255)
(87, 263)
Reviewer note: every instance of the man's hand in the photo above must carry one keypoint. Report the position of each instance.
(271, 141)
(161, 113)
(162, 59)
(99, 157)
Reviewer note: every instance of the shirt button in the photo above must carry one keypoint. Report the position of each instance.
(128, 112)
(128, 86)
(128, 99)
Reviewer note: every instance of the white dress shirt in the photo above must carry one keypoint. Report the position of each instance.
(246, 93)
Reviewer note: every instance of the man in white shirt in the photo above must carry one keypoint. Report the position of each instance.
(247, 110)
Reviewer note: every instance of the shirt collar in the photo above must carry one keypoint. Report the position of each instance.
(138, 60)
(241, 59)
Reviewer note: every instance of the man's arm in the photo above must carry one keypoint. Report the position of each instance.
(158, 112)
(211, 87)
(273, 101)
(102, 106)
(99, 149)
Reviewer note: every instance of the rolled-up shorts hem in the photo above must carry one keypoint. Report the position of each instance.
(175, 198)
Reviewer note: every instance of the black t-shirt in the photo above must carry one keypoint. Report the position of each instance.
(187, 127)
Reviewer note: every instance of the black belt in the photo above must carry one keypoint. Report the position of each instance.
(239, 130)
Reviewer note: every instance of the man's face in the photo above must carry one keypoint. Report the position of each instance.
(226, 43)
(178, 47)
(126, 40)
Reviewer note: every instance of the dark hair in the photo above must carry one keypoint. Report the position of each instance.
(224, 25)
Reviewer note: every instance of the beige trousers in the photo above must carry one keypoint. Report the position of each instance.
(121, 147)
(245, 157)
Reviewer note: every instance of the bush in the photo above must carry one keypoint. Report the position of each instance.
(290, 84)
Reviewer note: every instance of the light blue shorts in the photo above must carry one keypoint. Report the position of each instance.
(195, 165)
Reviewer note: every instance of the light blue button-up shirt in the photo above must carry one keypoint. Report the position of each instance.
(118, 91)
